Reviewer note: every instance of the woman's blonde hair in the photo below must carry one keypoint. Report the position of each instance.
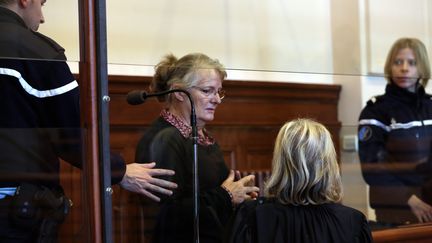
(421, 56)
(184, 72)
(304, 166)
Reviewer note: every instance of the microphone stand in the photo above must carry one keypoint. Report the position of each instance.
(195, 170)
(195, 164)
(142, 97)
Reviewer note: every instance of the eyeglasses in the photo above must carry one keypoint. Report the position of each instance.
(208, 92)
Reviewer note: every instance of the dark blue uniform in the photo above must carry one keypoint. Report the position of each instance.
(395, 134)
(39, 118)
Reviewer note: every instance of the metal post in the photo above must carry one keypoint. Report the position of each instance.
(94, 104)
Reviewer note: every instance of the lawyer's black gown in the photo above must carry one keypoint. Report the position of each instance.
(266, 221)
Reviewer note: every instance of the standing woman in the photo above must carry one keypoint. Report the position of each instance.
(168, 141)
(395, 134)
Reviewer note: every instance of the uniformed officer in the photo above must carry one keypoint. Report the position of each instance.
(40, 123)
(395, 134)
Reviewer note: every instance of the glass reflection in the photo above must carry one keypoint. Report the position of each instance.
(335, 42)
(382, 190)
(246, 135)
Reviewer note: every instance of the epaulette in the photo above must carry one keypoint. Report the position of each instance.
(375, 99)
(58, 49)
(49, 41)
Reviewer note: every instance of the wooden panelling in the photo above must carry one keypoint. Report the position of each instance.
(246, 122)
(412, 234)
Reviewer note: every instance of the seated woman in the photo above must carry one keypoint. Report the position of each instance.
(168, 141)
(302, 194)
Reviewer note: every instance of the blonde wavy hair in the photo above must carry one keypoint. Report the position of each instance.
(304, 167)
(184, 72)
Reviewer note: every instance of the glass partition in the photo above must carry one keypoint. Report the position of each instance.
(384, 190)
(61, 24)
(332, 37)
(245, 127)
(337, 43)
(367, 186)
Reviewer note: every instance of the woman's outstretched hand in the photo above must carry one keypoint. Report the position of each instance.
(242, 189)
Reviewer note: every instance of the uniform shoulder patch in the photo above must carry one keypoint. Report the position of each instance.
(365, 133)
(375, 99)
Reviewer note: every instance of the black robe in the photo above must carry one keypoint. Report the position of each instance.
(266, 221)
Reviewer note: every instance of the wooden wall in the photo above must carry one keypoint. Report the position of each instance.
(246, 122)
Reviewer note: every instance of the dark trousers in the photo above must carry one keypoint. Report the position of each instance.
(10, 232)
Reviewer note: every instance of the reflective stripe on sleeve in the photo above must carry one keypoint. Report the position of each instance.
(35, 92)
(395, 126)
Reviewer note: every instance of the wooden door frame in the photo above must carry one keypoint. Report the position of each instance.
(93, 77)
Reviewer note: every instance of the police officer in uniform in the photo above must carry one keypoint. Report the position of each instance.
(40, 123)
(395, 135)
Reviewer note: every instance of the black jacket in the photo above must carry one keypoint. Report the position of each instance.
(395, 134)
(39, 107)
(164, 144)
(266, 221)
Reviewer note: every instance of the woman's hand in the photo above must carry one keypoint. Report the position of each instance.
(241, 189)
(421, 210)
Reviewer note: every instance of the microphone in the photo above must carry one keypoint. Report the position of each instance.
(137, 97)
